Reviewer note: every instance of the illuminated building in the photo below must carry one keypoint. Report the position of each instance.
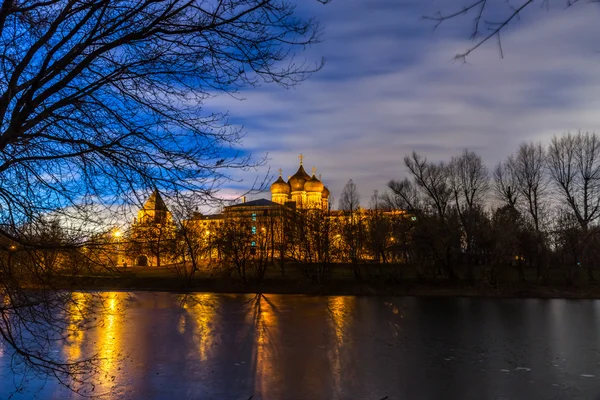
(297, 220)
(301, 191)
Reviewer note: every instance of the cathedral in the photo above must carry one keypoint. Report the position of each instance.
(153, 232)
(301, 190)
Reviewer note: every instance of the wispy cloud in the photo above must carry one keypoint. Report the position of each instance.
(389, 87)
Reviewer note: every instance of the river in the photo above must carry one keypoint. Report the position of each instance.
(213, 346)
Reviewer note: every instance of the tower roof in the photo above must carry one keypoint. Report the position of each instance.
(155, 202)
(313, 185)
(297, 180)
(280, 186)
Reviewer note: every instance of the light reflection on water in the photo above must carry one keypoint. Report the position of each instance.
(197, 346)
(202, 309)
(340, 310)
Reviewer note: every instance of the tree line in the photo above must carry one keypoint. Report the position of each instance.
(538, 208)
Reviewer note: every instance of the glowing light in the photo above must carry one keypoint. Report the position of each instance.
(117, 233)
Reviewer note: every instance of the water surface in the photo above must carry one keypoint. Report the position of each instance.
(208, 346)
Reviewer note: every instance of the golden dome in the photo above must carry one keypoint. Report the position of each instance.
(325, 192)
(280, 187)
(313, 185)
(297, 180)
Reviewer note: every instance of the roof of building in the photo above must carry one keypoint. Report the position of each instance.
(280, 186)
(313, 185)
(155, 202)
(256, 203)
(297, 180)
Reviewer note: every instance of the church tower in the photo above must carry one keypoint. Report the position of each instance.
(280, 190)
(155, 210)
(306, 191)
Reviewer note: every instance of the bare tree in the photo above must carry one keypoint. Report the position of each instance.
(490, 19)
(403, 195)
(432, 180)
(350, 198)
(352, 231)
(191, 240)
(101, 99)
(529, 169)
(310, 242)
(574, 163)
(505, 184)
(433, 184)
(469, 182)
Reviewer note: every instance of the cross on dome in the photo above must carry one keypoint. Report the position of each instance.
(301, 157)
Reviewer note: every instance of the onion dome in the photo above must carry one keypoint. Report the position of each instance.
(313, 185)
(325, 192)
(298, 180)
(280, 187)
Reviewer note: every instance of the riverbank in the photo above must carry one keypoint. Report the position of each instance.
(337, 288)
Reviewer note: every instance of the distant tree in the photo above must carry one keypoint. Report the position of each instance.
(469, 183)
(404, 195)
(436, 224)
(529, 166)
(529, 169)
(191, 241)
(243, 246)
(313, 241)
(574, 163)
(505, 184)
(569, 244)
(505, 240)
(102, 99)
(350, 198)
(352, 227)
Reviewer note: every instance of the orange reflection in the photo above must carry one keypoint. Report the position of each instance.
(109, 340)
(340, 309)
(265, 324)
(202, 308)
(75, 334)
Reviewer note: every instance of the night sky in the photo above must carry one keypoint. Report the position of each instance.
(390, 85)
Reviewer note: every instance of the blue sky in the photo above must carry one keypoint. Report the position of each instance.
(390, 86)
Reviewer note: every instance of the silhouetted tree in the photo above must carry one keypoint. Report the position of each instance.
(311, 242)
(469, 183)
(432, 182)
(505, 184)
(574, 163)
(102, 99)
(352, 226)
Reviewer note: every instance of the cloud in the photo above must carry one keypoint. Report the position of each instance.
(389, 87)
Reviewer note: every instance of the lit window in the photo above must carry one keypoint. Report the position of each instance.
(253, 216)
(253, 230)
(253, 244)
